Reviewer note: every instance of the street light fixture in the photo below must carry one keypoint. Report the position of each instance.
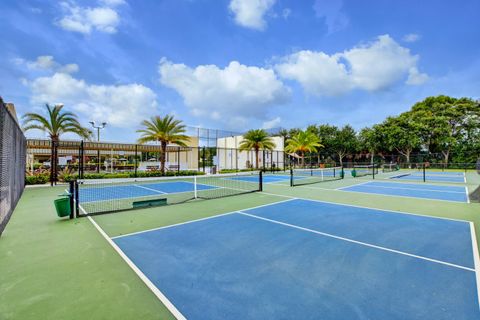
(98, 127)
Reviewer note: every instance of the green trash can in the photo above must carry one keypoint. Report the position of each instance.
(62, 205)
(354, 173)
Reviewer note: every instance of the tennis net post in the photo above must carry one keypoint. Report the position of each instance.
(71, 192)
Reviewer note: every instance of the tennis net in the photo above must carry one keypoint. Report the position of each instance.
(300, 177)
(365, 170)
(104, 196)
(390, 167)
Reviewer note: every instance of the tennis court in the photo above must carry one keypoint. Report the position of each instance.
(303, 259)
(100, 196)
(136, 190)
(423, 191)
(434, 176)
(267, 178)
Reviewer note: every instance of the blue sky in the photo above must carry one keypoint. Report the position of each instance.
(237, 64)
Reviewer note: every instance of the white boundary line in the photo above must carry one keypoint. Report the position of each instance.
(363, 207)
(406, 188)
(378, 194)
(466, 193)
(197, 220)
(476, 259)
(169, 305)
(415, 182)
(157, 191)
(353, 185)
(399, 196)
(358, 242)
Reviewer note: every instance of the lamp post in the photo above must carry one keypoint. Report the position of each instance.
(98, 127)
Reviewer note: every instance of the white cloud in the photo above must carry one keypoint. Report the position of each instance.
(43, 62)
(372, 66)
(231, 95)
(119, 105)
(271, 123)
(411, 37)
(112, 3)
(85, 19)
(286, 13)
(331, 11)
(415, 77)
(47, 63)
(250, 13)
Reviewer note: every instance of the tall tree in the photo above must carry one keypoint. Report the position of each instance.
(164, 130)
(55, 123)
(402, 133)
(256, 140)
(344, 142)
(445, 121)
(370, 139)
(303, 142)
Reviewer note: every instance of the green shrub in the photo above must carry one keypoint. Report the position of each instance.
(140, 174)
(37, 179)
(236, 170)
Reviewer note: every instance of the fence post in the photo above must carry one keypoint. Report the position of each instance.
(71, 191)
(260, 178)
(291, 177)
(178, 159)
(424, 178)
(136, 160)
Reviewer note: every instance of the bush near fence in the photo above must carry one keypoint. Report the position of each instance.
(43, 178)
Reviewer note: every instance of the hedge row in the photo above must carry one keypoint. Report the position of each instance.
(44, 178)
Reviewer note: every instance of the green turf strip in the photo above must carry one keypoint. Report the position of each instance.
(64, 269)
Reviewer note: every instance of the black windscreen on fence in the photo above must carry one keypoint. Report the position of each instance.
(12, 164)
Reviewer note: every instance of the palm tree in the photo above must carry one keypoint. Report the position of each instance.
(163, 130)
(55, 124)
(256, 140)
(302, 142)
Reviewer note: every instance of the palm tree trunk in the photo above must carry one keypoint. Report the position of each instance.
(256, 158)
(163, 147)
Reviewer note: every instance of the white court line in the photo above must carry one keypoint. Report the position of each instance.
(382, 194)
(157, 191)
(363, 207)
(166, 302)
(403, 188)
(466, 193)
(476, 259)
(197, 220)
(359, 242)
(353, 185)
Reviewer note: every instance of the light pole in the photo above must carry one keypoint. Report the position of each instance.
(98, 127)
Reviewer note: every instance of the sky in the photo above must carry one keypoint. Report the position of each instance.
(236, 64)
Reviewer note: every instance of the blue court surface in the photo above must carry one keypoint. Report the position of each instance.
(266, 178)
(100, 193)
(302, 259)
(434, 176)
(424, 191)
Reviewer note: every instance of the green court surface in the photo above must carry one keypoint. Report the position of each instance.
(66, 269)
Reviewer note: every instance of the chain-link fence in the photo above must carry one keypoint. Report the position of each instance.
(12, 164)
